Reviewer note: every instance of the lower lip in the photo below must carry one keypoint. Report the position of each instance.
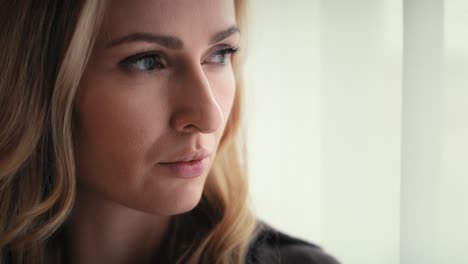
(187, 170)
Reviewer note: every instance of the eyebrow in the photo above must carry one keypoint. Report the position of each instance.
(169, 41)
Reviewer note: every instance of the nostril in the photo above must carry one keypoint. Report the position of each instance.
(190, 128)
(190, 122)
(184, 122)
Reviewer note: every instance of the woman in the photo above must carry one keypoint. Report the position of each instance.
(120, 138)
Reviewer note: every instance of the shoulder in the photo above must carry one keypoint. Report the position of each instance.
(272, 246)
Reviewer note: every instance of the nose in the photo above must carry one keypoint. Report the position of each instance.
(196, 107)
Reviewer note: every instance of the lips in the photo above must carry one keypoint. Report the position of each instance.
(187, 169)
(187, 165)
(188, 156)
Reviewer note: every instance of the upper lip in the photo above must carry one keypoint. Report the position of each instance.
(188, 156)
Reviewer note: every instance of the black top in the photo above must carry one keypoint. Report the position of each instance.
(270, 246)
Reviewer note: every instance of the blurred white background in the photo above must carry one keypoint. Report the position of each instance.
(358, 135)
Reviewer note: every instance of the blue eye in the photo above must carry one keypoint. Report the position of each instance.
(151, 61)
(143, 62)
(222, 56)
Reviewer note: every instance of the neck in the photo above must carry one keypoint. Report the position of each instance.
(102, 231)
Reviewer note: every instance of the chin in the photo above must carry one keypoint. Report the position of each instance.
(179, 208)
(180, 202)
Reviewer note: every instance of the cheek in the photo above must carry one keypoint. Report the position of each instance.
(224, 92)
(117, 126)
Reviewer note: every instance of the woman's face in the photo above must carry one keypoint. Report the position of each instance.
(159, 88)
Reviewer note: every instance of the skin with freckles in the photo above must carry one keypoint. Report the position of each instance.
(159, 83)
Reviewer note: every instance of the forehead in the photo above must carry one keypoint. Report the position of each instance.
(187, 19)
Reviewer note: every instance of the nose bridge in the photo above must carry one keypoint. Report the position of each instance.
(199, 106)
(197, 84)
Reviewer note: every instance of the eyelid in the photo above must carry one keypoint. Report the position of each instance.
(141, 55)
(227, 49)
(224, 49)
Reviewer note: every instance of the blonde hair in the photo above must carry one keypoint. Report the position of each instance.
(43, 59)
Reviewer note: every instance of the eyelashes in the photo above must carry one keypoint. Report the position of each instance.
(223, 55)
(146, 61)
(154, 61)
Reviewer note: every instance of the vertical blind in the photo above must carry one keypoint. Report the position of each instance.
(357, 126)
